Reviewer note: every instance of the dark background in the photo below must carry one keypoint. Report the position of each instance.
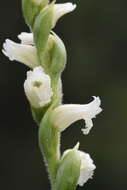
(96, 39)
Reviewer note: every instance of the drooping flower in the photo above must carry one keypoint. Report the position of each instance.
(37, 87)
(87, 166)
(62, 9)
(64, 115)
(25, 52)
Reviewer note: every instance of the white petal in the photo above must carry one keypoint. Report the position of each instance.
(87, 168)
(26, 38)
(64, 115)
(23, 53)
(62, 9)
(37, 87)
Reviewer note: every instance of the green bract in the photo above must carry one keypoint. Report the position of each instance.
(31, 9)
(69, 171)
(41, 29)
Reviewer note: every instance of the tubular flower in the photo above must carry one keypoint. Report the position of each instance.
(62, 9)
(64, 115)
(24, 52)
(37, 87)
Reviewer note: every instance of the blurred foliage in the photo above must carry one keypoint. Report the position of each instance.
(96, 39)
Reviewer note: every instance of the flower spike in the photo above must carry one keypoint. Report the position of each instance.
(45, 54)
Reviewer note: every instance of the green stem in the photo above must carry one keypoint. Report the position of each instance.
(49, 137)
(49, 142)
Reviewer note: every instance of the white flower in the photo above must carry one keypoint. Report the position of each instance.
(62, 9)
(64, 115)
(24, 52)
(37, 87)
(87, 166)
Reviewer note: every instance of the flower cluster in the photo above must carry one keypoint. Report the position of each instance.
(44, 53)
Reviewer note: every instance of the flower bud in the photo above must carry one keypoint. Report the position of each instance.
(64, 115)
(37, 87)
(25, 54)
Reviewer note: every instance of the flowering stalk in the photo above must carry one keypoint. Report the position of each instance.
(44, 52)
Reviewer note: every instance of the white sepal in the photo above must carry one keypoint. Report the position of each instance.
(64, 115)
(62, 9)
(25, 54)
(37, 87)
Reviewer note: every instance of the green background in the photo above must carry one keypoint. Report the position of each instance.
(96, 39)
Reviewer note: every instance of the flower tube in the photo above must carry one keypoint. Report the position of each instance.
(64, 115)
